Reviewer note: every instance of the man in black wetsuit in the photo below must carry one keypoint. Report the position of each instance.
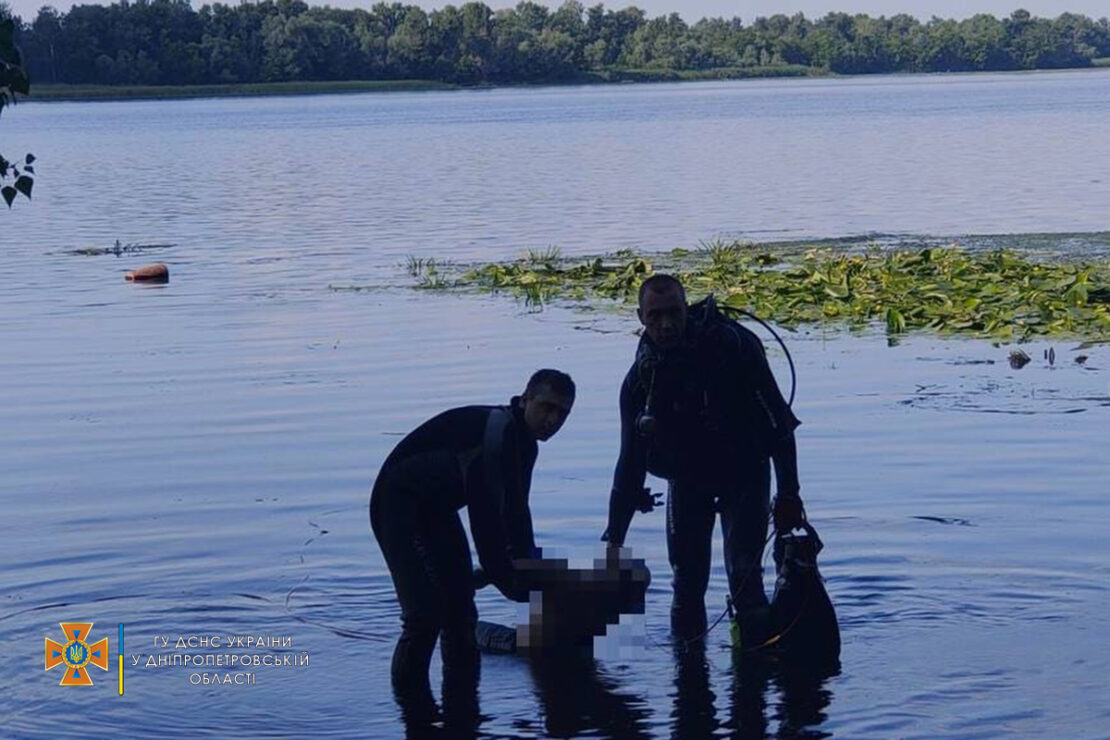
(480, 457)
(700, 407)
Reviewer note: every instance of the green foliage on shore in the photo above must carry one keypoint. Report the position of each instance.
(997, 294)
(714, 73)
(168, 42)
(64, 92)
(13, 80)
(163, 92)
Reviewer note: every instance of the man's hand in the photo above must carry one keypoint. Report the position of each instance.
(788, 512)
(649, 501)
(613, 555)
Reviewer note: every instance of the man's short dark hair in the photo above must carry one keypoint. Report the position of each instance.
(558, 381)
(659, 283)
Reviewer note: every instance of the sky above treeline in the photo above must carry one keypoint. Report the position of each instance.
(692, 10)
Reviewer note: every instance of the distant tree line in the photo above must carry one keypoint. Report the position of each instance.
(167, 42)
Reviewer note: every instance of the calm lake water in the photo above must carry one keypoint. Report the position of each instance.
(195, 459)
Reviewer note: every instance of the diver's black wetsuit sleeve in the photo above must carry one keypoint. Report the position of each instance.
(785, 456)
(489, 505)
(517, 468)
(628, 478)
(779, 417)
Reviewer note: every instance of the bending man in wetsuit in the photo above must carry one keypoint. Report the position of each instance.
(480, 457)
(700, 407)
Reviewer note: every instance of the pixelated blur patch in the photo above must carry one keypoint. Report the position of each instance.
(570, 607)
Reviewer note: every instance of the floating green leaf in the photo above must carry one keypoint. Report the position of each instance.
(895, 321)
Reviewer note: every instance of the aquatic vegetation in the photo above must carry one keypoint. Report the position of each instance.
(998, 294)
(118, 249)
(426, 271)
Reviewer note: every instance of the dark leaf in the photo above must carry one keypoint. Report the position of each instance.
(9, 194)
(29, 168)
(8, 50)
(24, 184)
(29, 159)
(21, 84)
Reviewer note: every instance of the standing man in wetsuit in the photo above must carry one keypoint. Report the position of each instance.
(700, 407)
(480, 457)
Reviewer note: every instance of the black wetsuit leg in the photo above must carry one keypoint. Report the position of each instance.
(690, 519)
(428, 556)
(744, 512)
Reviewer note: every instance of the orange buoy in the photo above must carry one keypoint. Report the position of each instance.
(156, 273)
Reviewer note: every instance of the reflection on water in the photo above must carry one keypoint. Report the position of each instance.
(805, 701)
(693, 712)
(578, 699)
(765, 697)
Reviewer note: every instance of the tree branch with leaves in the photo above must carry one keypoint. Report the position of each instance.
(13, 80)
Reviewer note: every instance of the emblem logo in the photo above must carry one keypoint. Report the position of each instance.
(76, 654)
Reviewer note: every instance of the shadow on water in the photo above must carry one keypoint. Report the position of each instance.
(578, 698)
(799, 711)
(804, 700)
